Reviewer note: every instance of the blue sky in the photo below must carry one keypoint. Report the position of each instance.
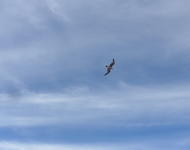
(52, 90)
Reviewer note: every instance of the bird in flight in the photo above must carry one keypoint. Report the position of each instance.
(110, 67)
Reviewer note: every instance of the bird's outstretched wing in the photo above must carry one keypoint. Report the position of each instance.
(113, 63)
(107, 73)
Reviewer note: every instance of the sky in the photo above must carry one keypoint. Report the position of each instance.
(52, 60)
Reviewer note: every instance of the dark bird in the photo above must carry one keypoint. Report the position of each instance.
(110, 67)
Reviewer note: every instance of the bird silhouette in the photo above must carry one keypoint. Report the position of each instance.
(110, 67)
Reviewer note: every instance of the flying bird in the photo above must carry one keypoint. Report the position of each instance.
(110, 67)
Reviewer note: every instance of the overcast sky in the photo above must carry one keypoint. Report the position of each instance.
(52, 60)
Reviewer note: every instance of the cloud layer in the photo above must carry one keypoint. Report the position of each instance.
(53, 54)
(48, 45)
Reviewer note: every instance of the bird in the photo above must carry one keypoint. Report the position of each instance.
(110, 67)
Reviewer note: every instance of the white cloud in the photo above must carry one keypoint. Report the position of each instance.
(131, 106)
(37, 146)
(145, 144)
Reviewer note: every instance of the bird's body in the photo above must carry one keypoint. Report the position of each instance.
(110, 67)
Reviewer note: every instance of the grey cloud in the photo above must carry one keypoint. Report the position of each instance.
(53, 44)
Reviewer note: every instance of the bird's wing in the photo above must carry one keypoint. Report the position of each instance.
(107, 73)
(113, 63)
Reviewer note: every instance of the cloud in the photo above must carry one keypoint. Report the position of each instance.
(152, 106)
(49, 45)
(167, 144)
(59, 44)
(19, 146)
(52, 88)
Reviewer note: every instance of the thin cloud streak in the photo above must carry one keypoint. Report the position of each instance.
(166, 144)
